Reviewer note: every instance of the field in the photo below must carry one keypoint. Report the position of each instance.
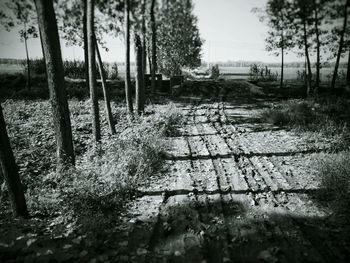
(289, 73)
(11, 68)
(217, 175)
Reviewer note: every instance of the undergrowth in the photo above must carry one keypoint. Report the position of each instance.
(329, 117)
(105, 176)
(334, 172)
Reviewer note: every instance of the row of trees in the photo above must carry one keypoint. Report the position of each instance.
(84, 22)
(308, 27)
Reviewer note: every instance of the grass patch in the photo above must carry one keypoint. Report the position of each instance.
(104, 176)
(334, 172)
(88, 201)
(328, 117)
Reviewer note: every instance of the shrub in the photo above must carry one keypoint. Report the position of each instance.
(261, 73)
(74, 69)
(215, 72)
(37, 66)
(111, 70)
(295, 113)
(327, 116)
(105, 178)
(334, 172)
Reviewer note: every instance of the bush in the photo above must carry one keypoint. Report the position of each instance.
(334, 172)
(215, 72)
(261, 73)
(37, 66)
(107, 177)
(327, 116)
(111, 70)
(295, 113)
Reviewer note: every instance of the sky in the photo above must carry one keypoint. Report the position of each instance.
(228, 27)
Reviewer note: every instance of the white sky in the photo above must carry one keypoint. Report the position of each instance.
(229, 28)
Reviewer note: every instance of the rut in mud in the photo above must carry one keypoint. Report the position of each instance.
(235, 190)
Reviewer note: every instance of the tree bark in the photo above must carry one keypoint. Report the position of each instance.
(55, 78)
(127, 60)
(154, 49)
(96, 129)
(341, 44)
(309, 72)
(282, 62)
(149, 56)
(10, 171)
(42, 50)
(105, 91)
(318, 58)
(144, 52)
(27, 57)
(86, 53)
(348, 73)
(140, 90)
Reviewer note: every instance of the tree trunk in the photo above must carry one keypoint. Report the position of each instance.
(96, 129)
(27, 57)
(55, 78)
(10, 171)
(309, 72)
(140, 90)
(149, 59)
(282, 62)
(86, 53)
(144, 52)
(348, 74)
(341, 44)
(105, 91)
(318, 58)
(154, 54)
(127, 59)
(42, 50)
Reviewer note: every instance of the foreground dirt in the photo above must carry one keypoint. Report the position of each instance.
(236, 190)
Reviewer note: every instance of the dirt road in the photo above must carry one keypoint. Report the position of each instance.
(235, 190)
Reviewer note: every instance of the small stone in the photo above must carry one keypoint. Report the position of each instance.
(123, 244)
(177, 253)
(83, 253)
(141, 251)
(67, 246)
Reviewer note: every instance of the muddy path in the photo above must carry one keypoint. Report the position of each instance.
(235, 190)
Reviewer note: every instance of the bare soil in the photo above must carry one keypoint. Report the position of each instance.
(234, 190)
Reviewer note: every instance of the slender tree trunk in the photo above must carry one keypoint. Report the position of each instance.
(144, 51)
(42, 50)
(9, 170)
(309, 72)
(96, 129)
(27, 57)
(140, 90)
(86, 53)
(149, 59)
(341, 44)
(282, 62)
(127, 59)
(55, 78)
(105, 91)
(348, 73)
(154, 49)
(318, 55)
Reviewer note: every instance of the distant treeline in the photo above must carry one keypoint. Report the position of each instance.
(272, 65)
(204, 63)
(15, 61)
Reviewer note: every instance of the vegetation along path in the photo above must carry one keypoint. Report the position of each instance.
(236, 190)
